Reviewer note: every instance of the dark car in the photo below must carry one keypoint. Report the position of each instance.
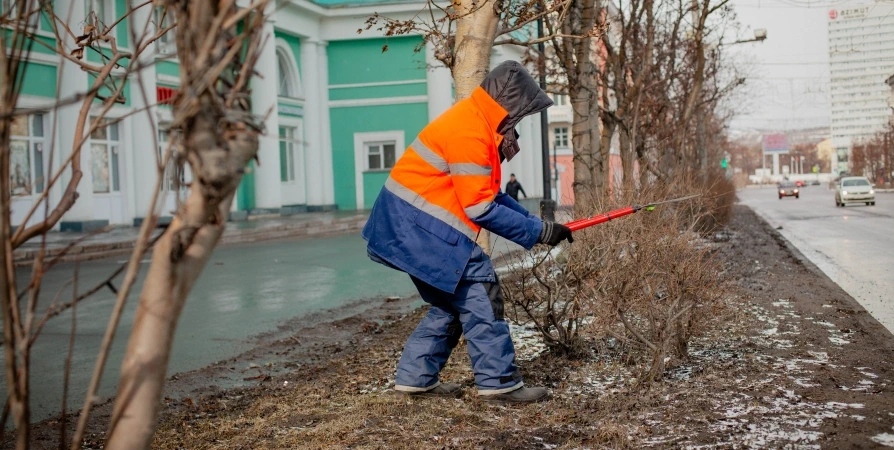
(788, 189)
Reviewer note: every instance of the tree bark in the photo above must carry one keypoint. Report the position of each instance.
(578, 62)
(219, 139)
(476, 29)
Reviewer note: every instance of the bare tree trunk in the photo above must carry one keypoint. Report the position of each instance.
(219, 138)
(16, 383)
(578, 62)
(476, 29)
(628, 156)
(589, 164)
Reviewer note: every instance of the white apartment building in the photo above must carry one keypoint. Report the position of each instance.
(861, 58)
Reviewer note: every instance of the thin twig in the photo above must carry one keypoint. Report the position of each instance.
(63, 421)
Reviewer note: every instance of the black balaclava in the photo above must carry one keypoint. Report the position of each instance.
(516, 91)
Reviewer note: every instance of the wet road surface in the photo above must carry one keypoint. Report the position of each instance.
(854, 245)
(244, 291)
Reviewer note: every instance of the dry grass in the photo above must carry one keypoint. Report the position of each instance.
(343, 401)
(346, 403)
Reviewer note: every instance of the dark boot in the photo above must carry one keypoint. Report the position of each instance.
(521, 395)
(443, 390)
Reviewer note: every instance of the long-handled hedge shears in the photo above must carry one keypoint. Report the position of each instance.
(587, 222)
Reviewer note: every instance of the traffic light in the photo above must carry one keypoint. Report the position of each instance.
(723, 163)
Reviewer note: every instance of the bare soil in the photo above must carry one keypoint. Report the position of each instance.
(797, 364)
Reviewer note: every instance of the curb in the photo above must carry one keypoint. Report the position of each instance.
(89, 252)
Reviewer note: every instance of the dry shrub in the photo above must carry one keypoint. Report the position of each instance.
(647, 281)
(716, 205)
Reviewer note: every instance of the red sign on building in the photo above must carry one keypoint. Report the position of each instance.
(165, 95)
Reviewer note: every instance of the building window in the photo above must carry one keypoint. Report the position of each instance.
(164, 18)
(560, 99)
(101, 13)
(561, 137)
(10, 10)
(26, 155)
(287, 154)
(176, 176)
(104, 155)
(380, 155)
(287, 79)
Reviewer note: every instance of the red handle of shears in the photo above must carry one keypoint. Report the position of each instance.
(601, 218)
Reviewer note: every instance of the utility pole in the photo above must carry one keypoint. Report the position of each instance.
(547, 205)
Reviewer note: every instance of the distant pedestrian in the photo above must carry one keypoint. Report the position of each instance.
(513, 187)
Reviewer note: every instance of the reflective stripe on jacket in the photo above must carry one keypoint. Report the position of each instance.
(442, 191)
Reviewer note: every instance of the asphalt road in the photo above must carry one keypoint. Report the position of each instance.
(245, 290)
(854, 245)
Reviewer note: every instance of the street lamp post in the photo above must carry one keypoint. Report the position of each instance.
(760, 35)
(547, 205)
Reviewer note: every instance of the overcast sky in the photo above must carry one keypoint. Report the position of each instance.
(788, 86)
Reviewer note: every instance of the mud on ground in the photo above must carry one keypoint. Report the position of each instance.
(799, 364)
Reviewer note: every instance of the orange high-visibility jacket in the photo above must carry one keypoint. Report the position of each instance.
(446, 186)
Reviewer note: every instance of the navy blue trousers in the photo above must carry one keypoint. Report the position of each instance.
(475, 310)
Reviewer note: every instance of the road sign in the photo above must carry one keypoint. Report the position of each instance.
(774, 143)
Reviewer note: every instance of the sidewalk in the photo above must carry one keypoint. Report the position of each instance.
(120, 241)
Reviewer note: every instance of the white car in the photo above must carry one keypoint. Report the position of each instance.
(854, 190)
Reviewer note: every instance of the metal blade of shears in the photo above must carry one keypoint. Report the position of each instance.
(675, 200)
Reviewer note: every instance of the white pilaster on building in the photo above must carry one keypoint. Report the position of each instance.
(327, 185)
(73, 82)
(439, 84)
(268, 191)
(142, 175)
(313, 120)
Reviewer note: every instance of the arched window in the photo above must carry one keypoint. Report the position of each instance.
(287, 79)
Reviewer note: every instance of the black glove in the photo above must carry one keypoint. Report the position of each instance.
(553, 233)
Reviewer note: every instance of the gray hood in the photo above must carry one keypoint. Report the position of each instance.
(515, 90)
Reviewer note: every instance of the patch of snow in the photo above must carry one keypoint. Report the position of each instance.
(838, 341)
(886, 439)
(866, 373)
(828, 306)
(805, 382)
(527, 340)
(840, 405)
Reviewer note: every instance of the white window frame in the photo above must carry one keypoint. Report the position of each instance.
(361, 140)
(165, 43)
(289, 140)
(170, 171)
(564, 135)
(113, 151)
(36, 144)
(381, 153)
(13, 7)
(107, 16)
(291, 68)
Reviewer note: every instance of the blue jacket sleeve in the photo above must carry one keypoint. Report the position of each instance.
(517, 226)
(507, 201)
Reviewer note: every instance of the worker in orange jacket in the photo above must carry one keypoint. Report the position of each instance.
(439, 195)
